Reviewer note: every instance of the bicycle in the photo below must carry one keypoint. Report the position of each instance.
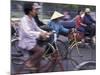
(75, 40)
(86, 65)
(54, 60)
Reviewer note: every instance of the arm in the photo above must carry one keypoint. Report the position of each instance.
(37, 27)
(83, 24)
(88, 20)
(92, 20)
(62, 29)
(79, 21)
(50, 25)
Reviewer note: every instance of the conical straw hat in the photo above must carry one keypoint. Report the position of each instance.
(56, 15)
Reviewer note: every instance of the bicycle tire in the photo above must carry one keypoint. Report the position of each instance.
(63, 48)
(87, 65)
(70, 64)
(52, 66)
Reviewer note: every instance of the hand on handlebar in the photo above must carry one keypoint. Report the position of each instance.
(73, 29)
(45, 35)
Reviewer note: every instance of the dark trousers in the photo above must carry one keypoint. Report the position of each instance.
(90, 30)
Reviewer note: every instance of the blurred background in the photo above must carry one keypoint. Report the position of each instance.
(48, 8)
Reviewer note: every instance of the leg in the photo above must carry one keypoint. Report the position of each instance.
(92, 31)
(35, 59)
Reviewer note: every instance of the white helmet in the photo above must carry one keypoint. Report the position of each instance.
(87, 10)
(56, 15)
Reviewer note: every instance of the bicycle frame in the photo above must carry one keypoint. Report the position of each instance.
(75, 43)
(53, 45)
(55, 57)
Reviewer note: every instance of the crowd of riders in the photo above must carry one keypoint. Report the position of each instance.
(31, 29)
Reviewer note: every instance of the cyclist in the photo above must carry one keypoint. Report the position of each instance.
(79, 25)
(56, 25)
(89, 21)
(79, 22)
(29, 32)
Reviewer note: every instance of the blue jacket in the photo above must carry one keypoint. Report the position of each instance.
(88, 20)
(58, 27)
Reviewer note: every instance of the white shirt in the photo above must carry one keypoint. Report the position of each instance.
(28, 33)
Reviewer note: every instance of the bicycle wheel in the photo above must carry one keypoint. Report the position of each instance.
(16, 52)
(50, 63)
(18, 58)
(63, 48)
(87, 65)
(70, 64)
(80, 50)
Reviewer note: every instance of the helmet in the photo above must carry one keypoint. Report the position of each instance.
(87, 10)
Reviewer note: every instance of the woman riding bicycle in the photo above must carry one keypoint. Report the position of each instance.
(79, 25)
(55, 24)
